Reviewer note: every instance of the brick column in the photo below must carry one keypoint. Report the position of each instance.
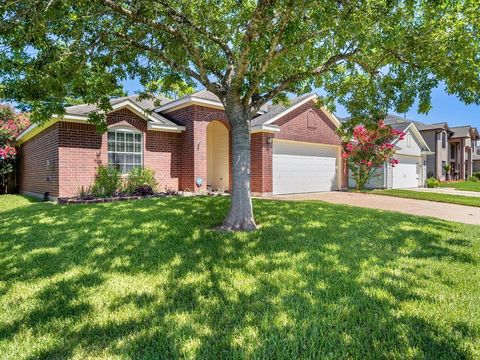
(261, 163)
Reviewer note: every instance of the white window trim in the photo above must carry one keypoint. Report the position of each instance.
(126, 129)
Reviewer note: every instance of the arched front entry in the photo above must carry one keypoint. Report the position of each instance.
(218, 150)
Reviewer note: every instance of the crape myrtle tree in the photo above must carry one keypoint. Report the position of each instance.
(366, 55)
(12, 123)
(369, 149)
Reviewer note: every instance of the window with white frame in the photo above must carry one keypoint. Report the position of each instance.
(124, 149)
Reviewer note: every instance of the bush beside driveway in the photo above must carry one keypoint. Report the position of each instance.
(151, 279)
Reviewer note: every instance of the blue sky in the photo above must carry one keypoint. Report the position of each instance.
(446, 108)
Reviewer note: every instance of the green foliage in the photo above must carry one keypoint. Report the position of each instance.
(150, 279)
(431, 182)
(75, 100)
(473, 179)
(85, 192)
(138, 177)
(107, 181)
(477, 175)
(171, 86)
(370, 56)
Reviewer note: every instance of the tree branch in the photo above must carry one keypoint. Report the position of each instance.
(181, 19)
(270, 53)
(139, 18)
(190, 47)
(250, 33)
(174, 65)
(284, 84)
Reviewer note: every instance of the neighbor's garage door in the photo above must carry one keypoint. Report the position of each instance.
(303, 167)
(406, 172)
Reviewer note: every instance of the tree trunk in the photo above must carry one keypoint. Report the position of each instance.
(240, 214)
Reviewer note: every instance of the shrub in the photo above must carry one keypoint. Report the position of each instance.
(139, 177)
(473, 179)
(477, 175)
(107, 181)
(85, 193)
(143, 190)
(432, 182)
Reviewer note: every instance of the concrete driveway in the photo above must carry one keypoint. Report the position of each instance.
(451, 212)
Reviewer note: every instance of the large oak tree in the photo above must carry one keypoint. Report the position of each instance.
(368, 55)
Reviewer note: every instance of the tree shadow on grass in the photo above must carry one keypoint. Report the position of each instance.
(316, 281)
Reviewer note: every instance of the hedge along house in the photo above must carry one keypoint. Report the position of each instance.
(411, 170)
(187, 143)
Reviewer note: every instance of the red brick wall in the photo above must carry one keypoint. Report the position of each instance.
(38, 163)
(195, 118)
(308, 123)
(77, 149)
(261, 163)
(82, 149)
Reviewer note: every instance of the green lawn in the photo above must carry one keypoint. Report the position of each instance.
(149, 279)
(438, 197)
(462, 185)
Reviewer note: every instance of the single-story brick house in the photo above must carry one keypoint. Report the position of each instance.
(294, 148)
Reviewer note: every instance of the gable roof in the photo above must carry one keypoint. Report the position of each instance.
(80, 113)
(201, 97)
(464, 131)
(274, 112)
(268, 113)
(400, 127)
(146, 105)
(391, 119)
(405, 127)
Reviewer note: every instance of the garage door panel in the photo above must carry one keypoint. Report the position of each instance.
(406, 172)
(303, 168)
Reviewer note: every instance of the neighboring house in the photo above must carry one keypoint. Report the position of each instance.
(410, 172)
(451, 145)
(295, 148)
(436, 136)
(462, 149)
(476, 158)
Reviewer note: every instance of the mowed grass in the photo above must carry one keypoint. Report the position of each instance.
(462, 185)
(9, 202)
(430, 196)
(150, 279)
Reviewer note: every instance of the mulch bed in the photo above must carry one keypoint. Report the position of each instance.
(71, 201)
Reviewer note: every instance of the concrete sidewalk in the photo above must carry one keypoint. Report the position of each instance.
(450, 212)
(448, 191)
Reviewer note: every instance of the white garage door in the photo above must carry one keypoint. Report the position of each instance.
(406, 174)
(302, 167)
